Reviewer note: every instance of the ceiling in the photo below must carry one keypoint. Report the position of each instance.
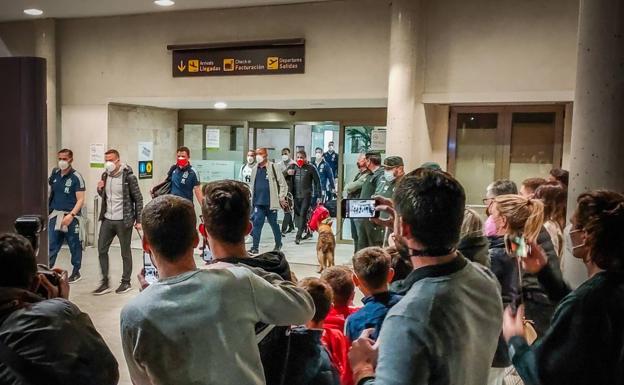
(294, 104)
(11, 10)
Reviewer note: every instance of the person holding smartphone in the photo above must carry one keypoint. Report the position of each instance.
(518, 222)
(41, 332)
(370, 234)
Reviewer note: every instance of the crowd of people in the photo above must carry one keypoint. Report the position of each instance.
(448, 298)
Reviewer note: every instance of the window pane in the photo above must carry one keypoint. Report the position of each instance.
(476, 153)
(532, 145)
(274, 140)
(220, 148)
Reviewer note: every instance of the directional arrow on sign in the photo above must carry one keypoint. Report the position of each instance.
(181, 66)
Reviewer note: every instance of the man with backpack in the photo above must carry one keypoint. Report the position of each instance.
(268, 188)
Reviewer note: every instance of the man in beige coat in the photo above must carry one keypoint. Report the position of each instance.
(268, 189)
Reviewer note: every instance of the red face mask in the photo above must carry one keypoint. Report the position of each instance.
(300, 162)
(182, 162)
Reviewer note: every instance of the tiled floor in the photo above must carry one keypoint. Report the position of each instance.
(104, 310)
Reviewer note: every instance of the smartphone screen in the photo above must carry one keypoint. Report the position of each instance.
(151, 274)
(359, 208)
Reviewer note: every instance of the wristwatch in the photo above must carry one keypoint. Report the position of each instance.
(72, 214)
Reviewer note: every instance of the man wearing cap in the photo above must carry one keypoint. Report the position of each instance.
(393, 172)
(369, 234)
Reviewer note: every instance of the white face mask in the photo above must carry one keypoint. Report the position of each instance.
(388, 176)
(285, 158)
(318, 156)
(330, 148)
(109, 166)
(259, 158)
(63, 164)
(250, 159)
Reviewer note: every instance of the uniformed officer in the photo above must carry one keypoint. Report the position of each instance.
(370, 234)
(325, 173)
(393, 172)
(352, 190)
(331, 157)
(67, 194)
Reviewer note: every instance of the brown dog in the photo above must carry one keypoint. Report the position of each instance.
(325, 246)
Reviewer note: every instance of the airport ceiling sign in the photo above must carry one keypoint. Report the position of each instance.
(275, 57)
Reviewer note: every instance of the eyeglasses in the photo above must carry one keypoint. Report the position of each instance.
(487, 201)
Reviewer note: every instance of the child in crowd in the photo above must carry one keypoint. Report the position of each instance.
(340, 278)
(319, 368)
(372, 275)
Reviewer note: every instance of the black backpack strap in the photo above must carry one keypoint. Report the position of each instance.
(275, 177)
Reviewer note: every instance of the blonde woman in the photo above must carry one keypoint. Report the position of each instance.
(555, 198)
(518, 222)
(473, 244)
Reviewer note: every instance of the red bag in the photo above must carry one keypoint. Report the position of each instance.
(319, 215)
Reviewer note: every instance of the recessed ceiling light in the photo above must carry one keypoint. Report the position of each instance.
(220, 105)
(164, 3)
(33, 12)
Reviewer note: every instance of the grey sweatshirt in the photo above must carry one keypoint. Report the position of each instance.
(198, 327)
(445, 329)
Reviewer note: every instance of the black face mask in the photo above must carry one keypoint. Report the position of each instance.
(406, 253)
(401, 247)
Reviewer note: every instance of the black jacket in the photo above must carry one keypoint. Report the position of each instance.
(57, 340)
(306, 181)
(308, 362)
(475, 248)
(132, 197)
(505, 268)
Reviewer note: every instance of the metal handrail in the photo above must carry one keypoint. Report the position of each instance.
(96, 217)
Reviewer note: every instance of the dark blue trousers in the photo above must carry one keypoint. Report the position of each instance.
(258, 217)
(72, 236)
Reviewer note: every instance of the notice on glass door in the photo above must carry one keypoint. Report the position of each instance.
(378, 139)
(212, 138)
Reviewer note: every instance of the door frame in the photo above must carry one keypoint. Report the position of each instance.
(503, 133)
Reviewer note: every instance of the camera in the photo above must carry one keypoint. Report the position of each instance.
(29, 226)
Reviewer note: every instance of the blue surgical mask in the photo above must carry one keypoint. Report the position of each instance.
(389, 176)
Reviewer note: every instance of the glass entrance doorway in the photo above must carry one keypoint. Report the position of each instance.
(272, 136)
(503, 142)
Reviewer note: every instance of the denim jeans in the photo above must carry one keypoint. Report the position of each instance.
(259, 214)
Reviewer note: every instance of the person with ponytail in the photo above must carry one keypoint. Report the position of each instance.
(585, 343)
(518, 222)
(555, 198)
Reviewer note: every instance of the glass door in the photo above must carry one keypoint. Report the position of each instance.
(272, 136)
(503, 142)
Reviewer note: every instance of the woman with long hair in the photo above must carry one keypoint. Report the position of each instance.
(585, 344)
(518, 221)
(555, 197)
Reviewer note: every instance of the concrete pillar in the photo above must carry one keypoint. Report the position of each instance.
(45, 47)
(597, 156)
(407, 126)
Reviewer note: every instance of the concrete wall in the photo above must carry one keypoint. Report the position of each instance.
(129, 125)
(346, 52)
(83, 126)
(500, 51)
(17, 39)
